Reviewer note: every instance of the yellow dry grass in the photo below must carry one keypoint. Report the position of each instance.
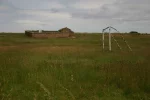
(58, 49)
(6, 48)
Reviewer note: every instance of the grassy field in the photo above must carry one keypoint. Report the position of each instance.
(74, 69)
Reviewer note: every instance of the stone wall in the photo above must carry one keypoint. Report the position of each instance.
(50, 35)
(64, 32)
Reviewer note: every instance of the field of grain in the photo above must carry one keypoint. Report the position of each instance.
(74, 69)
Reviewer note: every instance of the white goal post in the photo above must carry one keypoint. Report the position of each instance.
(110, 35)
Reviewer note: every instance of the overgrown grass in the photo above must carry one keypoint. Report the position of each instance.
(73, 69)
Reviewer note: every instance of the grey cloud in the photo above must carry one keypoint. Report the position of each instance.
(127, 10)
(117, 12)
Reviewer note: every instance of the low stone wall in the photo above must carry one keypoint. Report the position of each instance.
(63, 33)
(50, 35)
(39, 35)
(29, 33)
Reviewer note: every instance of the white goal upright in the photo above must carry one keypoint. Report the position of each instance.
(110, 35)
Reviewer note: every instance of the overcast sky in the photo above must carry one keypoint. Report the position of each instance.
(79, 15)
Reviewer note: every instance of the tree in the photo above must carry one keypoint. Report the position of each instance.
(134, 33)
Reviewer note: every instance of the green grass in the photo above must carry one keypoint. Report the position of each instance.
(73, 69)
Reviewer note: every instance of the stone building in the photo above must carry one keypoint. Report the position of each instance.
(64, 32)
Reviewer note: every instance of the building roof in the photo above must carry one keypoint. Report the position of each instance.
(66, 28)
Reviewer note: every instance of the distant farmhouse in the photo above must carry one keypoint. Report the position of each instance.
(62, 33)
